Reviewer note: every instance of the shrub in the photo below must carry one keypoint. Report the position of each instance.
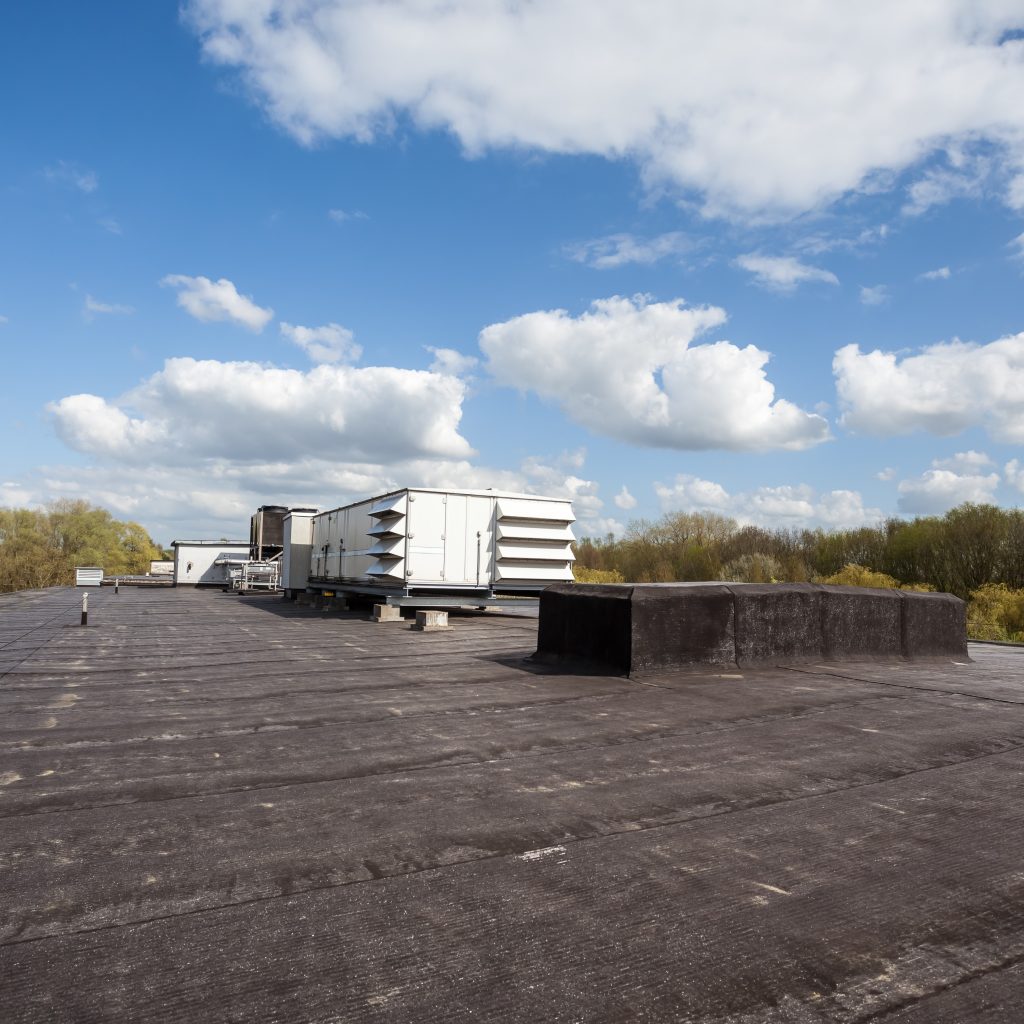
(752, 568)
(584, 575)
(853, 575)
(995, 612)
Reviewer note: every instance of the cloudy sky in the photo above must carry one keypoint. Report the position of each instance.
(763, 259)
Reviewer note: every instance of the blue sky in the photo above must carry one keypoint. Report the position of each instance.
(767, 264)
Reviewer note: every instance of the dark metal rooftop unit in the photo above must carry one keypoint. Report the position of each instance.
(266, 530)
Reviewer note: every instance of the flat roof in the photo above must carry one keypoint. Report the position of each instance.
(210, 543)
(224, 808)
(490, 492)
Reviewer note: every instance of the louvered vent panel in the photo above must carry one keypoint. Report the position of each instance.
(520, 530)
(388, 535)
(539, 572)
(392, 505)
(388, 547)
(535, 552)
(388, 570)
(528, 508)
(534, 541)
(388, 528)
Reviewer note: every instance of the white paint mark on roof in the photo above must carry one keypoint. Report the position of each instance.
(547, 851)
(773, 888)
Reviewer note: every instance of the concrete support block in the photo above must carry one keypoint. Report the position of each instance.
(386, 613)
(934, 626)
(432, 620)
(777, 623)
(861, 623)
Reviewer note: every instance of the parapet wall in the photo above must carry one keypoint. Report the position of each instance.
(651, 627)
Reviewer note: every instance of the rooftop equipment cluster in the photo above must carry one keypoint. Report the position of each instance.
(444, 540)
(412, 541)
(433, 548)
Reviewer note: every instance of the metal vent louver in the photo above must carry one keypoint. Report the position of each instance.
(389, 532)
(392, 505)
(533, 509)
(523, 572)
(536, 552)
(388, 570)
(391, 546)
(534, 541)
(519, 530)
(388, 528)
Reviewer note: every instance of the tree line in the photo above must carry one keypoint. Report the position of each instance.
(41, 547)
(974, 551)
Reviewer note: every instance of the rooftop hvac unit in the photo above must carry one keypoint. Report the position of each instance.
(267, 530)
(88, 576)
(454, 540)
(256, 576)
(295, 557)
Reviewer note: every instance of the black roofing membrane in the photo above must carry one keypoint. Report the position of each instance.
(216, 808)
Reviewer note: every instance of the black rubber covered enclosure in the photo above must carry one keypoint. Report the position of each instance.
(631, 629)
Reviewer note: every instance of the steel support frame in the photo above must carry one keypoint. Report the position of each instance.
(403, 597)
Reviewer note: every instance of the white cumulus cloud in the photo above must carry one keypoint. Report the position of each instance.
(939, 274)
(626, 368)
(211, 301)
(16, 495)
(964, 462)
(1014, 473)
(198, 409)
(448, 360)
(783, 273)
(949, 482)
(783, 506)
(619, 250)
(874, 295)
(761, 108)
(330, 343)
(943, 389)
(341, 216)
(816, 244)
(1015, 193)
(214, 496)
(91, 306)
(624, 499)
(966, 175)
(559, 477)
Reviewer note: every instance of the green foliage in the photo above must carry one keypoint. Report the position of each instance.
(753, 568)
(584, 575)
(996, 612)
(854, 575)
(41, 547)
(968, 548)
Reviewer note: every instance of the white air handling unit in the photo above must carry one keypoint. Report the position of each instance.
(453, 540)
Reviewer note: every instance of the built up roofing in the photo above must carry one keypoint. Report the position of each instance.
(210, 543)
(227, 809)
